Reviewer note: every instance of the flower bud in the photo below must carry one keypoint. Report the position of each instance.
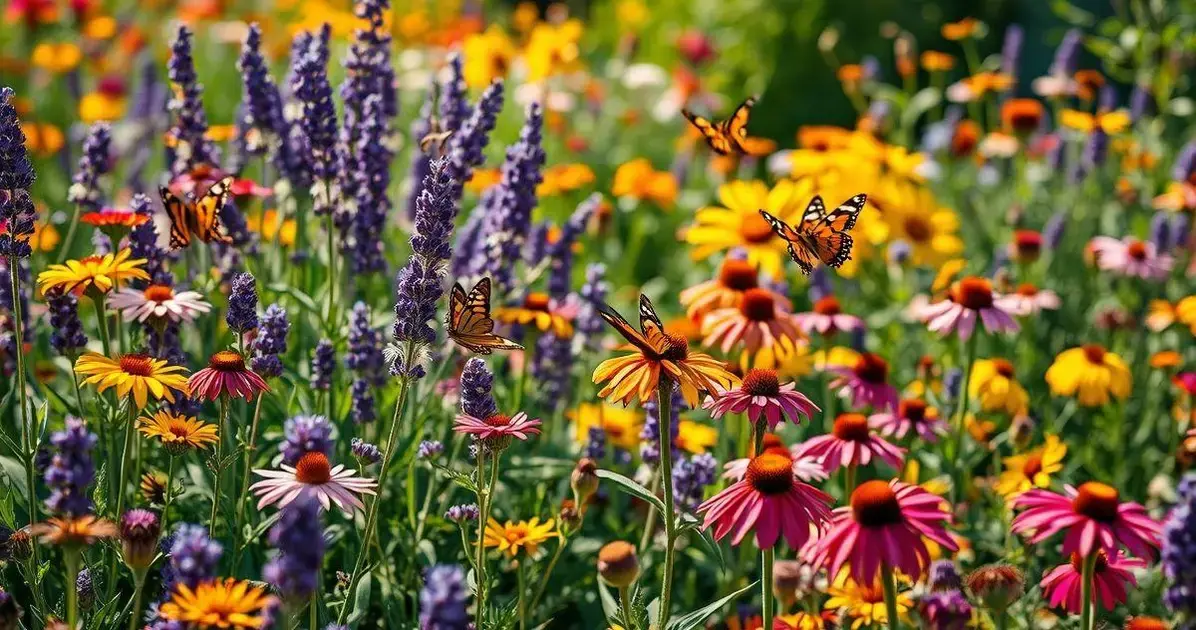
(618, 565)
(85, 589)
(139, 530)
(997, 586)
(20, 545)
(569, 516)
(584, 481)
(1021, 430)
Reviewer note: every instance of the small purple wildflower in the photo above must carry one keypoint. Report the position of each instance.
(299, 538)
(71, 470)
(305, 434)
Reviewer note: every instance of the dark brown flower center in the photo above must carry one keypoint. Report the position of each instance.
(1102, 562)
(536, 302)
(675, 348)
(974, 293)
(754, 229)
(913, 409)
(1136, 250)
(1003, 367)
(313, 468)
(738, 275)
(158, 293)
(828, 305)
(137, 364)
(872, 368)
(771, 474)
(874, 504)
(917, 228)
(1033, 465)
(1027, 242)
(227, 361)
(1094, 353)
(1097, 501)
(758, 305)
(851, 427)
(761, 382)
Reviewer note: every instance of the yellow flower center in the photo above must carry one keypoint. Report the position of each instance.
(874, 504)
(137, 364)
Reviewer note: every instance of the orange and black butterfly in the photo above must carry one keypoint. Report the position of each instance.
(821, 236)
(724, 136)
(650, 335)
(200, 219)
(469, 322)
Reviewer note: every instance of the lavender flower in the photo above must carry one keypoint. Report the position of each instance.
(589, 324)
(560, 276)
(323, 364)
(430, 449)
(650, 434)
(85, 589)
(361, 395)
(16, 177)
(944, 610)
(551, 368)
(1096, 149)
(1052, 232)
(1185, 163)
(462, 513)
(691, 476)
(1181, 226)
(259, 96)
(193, 556)
(1067, 54)
(10, 611)
(1160, 231)
(71, 470)
(68, 336)
(1179, 554)
(1011, 49)
(1141, 103)
(477, 384)
(305, 434)
(94, 163)
(454, 101)
(443, 599)
(242, 304)
(270, 342)
(595, 447)
(467, 145)
(365, 347)
(420, 162)
(192, 147)
(944, 576)
(318, 122)
(299, 538)
(365, 452)
(372, 179)
(143, 242)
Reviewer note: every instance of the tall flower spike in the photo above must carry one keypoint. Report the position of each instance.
(420, 163)
(270, 342)
(365, 347)
(1179, 551)
(454, 101)
(93, 164)
(589, 323)
(323, 363)
(364, 247)
(467, 145)
(318, 121)
(68, 337)
(143, 243)
(260, 98)
(16, 177)
(194, 557)
(71, 470)
(299, 538)
(560, 276)
(443, 599)
(477, 387)
(192, 146)
(242, 304)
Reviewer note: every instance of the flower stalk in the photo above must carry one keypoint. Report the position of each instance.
(889, 583)
(664, 399)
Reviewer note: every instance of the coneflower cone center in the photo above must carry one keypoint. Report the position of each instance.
(313, 468)
(974, 293)
(871, 368)
(1136, 250)
(851, 427)
(1097, 501)
(761, 382)
(227, 361)
(738, 275)
(675, 348)
(1003, 367)
(497, 420)
(1094, 353)
(1027, 290)
(918, 229)
(1102, 562)
(1033, 465)
(758, 305)
(828, 305)
(158, 293)
(913, 409)
(754, 229)
(137, 365)
(874, 504)
(536, 302)
(770, 474)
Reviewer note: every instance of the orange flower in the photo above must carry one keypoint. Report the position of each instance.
(1021, 115)
(935, 61)
(639, 180)
(963, 29)
(1088, 83)
(82, 531)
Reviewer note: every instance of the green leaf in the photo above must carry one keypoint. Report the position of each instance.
(925, 100)
(713, 549)
(304, 300)
(697, 618)
(8, 515)
(15, 472)
(610, 606)
(99, 496)
(361, 599)
(458, 477)
(632, 488)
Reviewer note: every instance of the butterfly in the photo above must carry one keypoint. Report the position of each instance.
(724, 136)
(200, 219)
(649, 338)
(469, 323)
(821, 236)
(436, 143)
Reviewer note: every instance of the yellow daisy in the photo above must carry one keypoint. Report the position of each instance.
(694, 437)
(487, 56)
(563, 178)
(511, 538)
(932, 232)
(803, 362)
(552, 49)
(863, 604)
(1091, 374)
(994, 385)
(544, 313)
(621, 425)
(1112, 123)
(738, 224)
(140, 374)
(177, 432)
(226, 603)
(1032, 469)
(98, 274)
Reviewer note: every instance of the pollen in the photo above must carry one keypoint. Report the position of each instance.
(227, 361)
(771, 474)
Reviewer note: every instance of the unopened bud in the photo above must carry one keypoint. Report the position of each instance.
(997, 586)
(618, 565)
(584, 481)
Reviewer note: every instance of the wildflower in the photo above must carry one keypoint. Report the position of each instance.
(827, 318)
(1110, 122)
(738, 223)
(299, 538)
(997, 586)
(1028, 299)
(759, 323)
(863, 603)
(270, 342)
(694, 437)
(192, 147)
(1022, 115)
(735, 278)
(1062, 585)
(620, 425)
(994, 385)
(477, 383)
(317, 123)
(194, 556)
(546, 314)
(1093, 516)
(1131, 257)
(85, 589)
(17, 212)
(944, 576)
(935, 61)
(139, 531)
(912, 414)
(242, 304)
(140, 374)
(512, 538)
(1179, 550)
(488, 56)
(177, 432)
(945, 610)
(564, 178)
(365, 452)
(691, 476)
(262, 109)
(429, 449)
(618, 565)
(851, 443)
(77, 531)
(770, 500)
(886, 524)
(67, 337)
(971, 299)
(226, 603)
(462, 513)
(805, 467)
(226, 375)
(71, 470)
(1145, 623)
(95, 162)
(443, 599)
(865, 382)
(639, 180)
(111, 220)
(159, 302)
(1032, 469)
(153, 487)
(323, 364)
(314, 476)
(1091, 373)
(762, 397)
(498, 429)
(303, 435)
(93, 274)
(10, 611)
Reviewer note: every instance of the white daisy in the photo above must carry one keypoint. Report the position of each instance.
(313, 476)
(158, 301)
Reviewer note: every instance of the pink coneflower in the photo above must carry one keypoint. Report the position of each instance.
(1030, 300)
(725, 291)
(851, 443)
(827, 318)
(912, 414)
(866, 382)
(497, 430)
(1063, 585)
(806, 468)
(312, 475)
(770, 500)
(884, 525)
(760, 321)
(1131, 257)
(114, 218)
(226, 374)
(972, 298)
(160, 302)
(1094, 517)
(762, 395)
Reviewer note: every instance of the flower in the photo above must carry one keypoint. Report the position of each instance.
(563, 178)
(299, 538)
(620, 425)
(827, 318)
(488, 56)
(1179, 550)
(1090, 373)
(114, 217)
(312, 475)
(806, 468)
(865, 382)
(851, 443)
(945, 610)
(1093, 516)
(365, 452)
(552, 49)
(1028, 299)
(618, 565)
(1032, 469)
(71, 470)
(270, 342)
(761, 396)
(1131, 257)
(759, 323)
(498, 429)
(738, 223)
(140, 374)
(1111, 122)
(972, 298)
(159, 302)
(96, 274)
(153, 487)
(512, 538)
(886, 524)
(1022, 115)
(226, 603)
(997, 586)
(303, 435)
(930, 231)
(863, 603)
(226, 375)
(545, 313)
(770, 500)
(1062, 586)
(912, 414)
(993, 384)
(194, 556)
(139, 531)
(726, 290)
(694, 437)
(74, 530)
(178, 432)
(443, 599)
(639, 180)
(242, 304)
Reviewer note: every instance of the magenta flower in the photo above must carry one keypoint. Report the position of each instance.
(866, 383)
(226, 375)
(1093, 517)
(313, 476)
(498, 429)
(806, 468)
(1131, 257)
(972, 298)
(771, 501)
(762, 395)
(913, 414)
(827, 318)
(1063, 585)
(851, 443)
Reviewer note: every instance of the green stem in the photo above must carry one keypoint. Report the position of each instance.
(314, 615)
(758, 438)
(122, 480)
(1001, 619)
(522, 607)
(169, 493)
(890, 587)
(138, 599)
(1086, 575)
(766, 586)
(625, 604)
(962, 412)
(332, 279)
(528, 355)
(483, 519)
(65, 250)
(102, 324)
(212, 522)
(480, 550)
(71, 559)
(650, 520)
(27, 422)
(664, 399)
(848, 480)
(257, 415)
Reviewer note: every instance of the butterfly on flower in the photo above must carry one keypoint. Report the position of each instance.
(648, 338)
(469, 322)
(821, 236)
(200, 219)
(724, 136)
(435, 143)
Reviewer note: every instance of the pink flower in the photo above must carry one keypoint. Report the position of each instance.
(761, 321)
(866, 383)
(1131, 257)
(1063, 586)
(851, 443)
(1030, 300)
(770, 500)
(806, 468)
(827, 318)
(226, 375)
(884, 526)
(160, 302)
(972, 298)
(762, 395)
(313, 476)
(1094, 518)
(912, 414)
(497, 429)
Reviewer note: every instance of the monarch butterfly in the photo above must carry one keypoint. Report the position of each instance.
(200, 219)
(469, 322)
(821, 236)
(724, 136)
(649, 338)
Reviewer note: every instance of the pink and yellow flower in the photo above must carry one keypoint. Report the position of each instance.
(762, 396)
(313, 476)
(1063, 585)
(227, 375)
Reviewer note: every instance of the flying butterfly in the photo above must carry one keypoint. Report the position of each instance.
(724, 136)
(822, 236)
(648, 337)
(200, 219)
(469, 322)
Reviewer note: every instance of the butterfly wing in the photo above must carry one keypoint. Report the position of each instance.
(469, 321)
(843, 218)
(206, 213)
(735, 127)
(799, 251)
(648, 317)
(713, 132)
(624, 327)
(176, 209)
(826, 236)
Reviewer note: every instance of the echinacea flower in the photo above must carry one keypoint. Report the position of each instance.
(726, 290)
(993, 384)
(1028, 299)
(313, 476)
(759, 323)
(863, 604)
(542, 312)
(1131, 257)
(114, 217)
(1032, 469)
(1063, 585)
(1091, 374)
(513, 538)
(971, 299)
(79, 531)
(178, 432)
(1094, 518)
(771, 501)
(159, 302)
(866, 382)
(827, 318)
(227, 603)
(805, 467)
(851, 442)
(886, 524)
(227, 375)
(497, 430)
(762, 396)
(140, 374)
(912, 414)
(93, 274)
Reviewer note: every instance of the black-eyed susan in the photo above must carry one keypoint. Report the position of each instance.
(1032, 469)
(228, 603)
(737, 223)
(138, 374)
(178, 433)
(1091, 374)
(524, 537)
(620, 425)
(694, 437)
(994, 384)
(487, 56)
(153, 487)
(544, 313)
(863, 604)
(1111, 122)
(93, 274)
